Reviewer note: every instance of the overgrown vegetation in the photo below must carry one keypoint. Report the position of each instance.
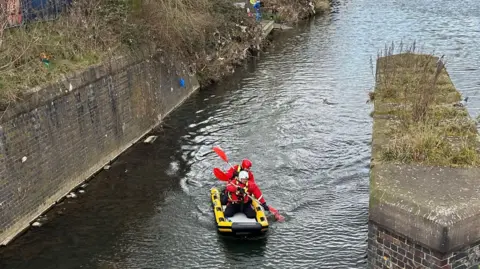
(206, 36)
(293, 11)
(188, 31)
(417, 111)
(95, 29)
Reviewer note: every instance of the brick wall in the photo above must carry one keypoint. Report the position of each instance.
(69, 130)
(387, 249)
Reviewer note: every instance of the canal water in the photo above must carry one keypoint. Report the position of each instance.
(151, 209)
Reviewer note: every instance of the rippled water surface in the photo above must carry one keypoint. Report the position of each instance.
(152, 210)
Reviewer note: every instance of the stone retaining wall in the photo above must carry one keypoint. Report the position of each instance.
(62, 134)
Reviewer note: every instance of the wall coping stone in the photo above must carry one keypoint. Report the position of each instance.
(40, 95)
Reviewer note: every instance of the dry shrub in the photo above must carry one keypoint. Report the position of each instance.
(186, 30)
(321, 5)
(291, 11)
(182, 23)
(415, 90)
(430, 144)
(206, 35)
(3, 23)
(209, 36)
(76, 40)
(410, 77)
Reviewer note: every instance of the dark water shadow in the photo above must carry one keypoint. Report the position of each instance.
(240, 249)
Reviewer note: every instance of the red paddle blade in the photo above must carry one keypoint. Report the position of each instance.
(220, 153)
(219, 174)
(273, 210)
(277, 215)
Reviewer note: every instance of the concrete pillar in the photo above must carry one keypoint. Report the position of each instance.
(424, 212)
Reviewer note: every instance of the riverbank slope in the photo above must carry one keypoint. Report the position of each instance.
(206, 37)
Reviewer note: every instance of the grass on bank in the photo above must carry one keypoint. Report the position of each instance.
(188, 31)
(415, 113)
(291, 11)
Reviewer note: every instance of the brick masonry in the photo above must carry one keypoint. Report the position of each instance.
(386, 249)
(69, 130)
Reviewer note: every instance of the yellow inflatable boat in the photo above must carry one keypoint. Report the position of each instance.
(239, 224)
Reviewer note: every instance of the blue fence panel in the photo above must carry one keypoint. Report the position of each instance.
(39, 10)
(43, 10)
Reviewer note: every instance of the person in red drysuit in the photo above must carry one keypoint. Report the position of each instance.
(238, 191)
(233, 172)
(246, 165)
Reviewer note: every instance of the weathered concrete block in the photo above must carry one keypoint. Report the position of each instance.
(438, 207)
(70, 129)
(424, 209)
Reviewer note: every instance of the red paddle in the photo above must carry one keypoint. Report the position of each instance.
(277, 215)
(222, 154)
(223, 177)
(219, 174)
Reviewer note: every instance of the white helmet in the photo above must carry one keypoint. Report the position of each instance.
(243, 175)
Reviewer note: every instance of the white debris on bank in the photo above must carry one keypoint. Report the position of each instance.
(150, 139)
(239, 4)
(43, 219)
(39, 221)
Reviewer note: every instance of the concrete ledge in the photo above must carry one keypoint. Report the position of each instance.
(267, 28)
(437, 207)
